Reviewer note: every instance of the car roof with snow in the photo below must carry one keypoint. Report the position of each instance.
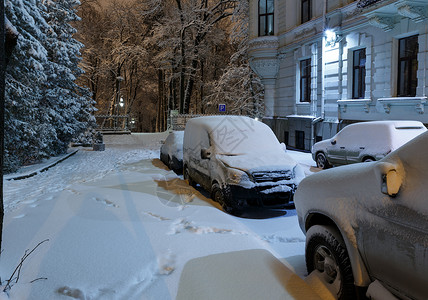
(212, 122)
(395, 123)
(235, 134)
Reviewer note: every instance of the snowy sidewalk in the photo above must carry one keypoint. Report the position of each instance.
(122, 226)
(32, 170)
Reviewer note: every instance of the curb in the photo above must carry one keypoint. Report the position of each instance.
(33, 173)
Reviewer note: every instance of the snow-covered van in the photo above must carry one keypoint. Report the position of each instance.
(365, 141)
(240, 161)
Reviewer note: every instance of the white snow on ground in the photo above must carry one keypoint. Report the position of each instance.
(122, 226)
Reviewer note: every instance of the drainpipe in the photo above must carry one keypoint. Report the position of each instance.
(314, 122)
(321, 118)
(323, 60)
(425, 60)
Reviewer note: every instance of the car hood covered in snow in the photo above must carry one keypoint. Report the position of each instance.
(252, 162)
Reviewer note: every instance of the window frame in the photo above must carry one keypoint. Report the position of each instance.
(265, 17)
(359, 89)
(405, 76)
(305, 89)
(305, 16)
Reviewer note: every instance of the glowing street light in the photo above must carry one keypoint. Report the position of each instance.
(331, 37)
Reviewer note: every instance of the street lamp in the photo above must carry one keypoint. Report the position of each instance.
(331, 37)
(119, 79)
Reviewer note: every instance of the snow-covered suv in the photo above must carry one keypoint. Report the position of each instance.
(240, 161)
(171, 152)
(367, 222)
(365, 141)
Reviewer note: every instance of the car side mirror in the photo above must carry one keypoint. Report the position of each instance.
(333, 142)
(391, 183)
(205, 154)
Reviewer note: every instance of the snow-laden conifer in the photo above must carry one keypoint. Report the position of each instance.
(44, 107)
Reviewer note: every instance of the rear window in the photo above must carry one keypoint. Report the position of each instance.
(404, 134)
(409, 127)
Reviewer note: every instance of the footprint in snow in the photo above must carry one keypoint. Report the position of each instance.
(280, 239)
(183, 225)
(106, 202)
(160, 218)
(166, 264)
(70, 292)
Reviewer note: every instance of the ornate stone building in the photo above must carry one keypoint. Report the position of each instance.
(328, 63)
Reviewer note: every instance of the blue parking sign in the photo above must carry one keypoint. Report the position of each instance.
(222, 107)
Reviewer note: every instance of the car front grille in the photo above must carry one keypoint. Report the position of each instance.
(272, 176)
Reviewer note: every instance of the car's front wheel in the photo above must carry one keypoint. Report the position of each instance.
(326, 254)
(170, 163)
(187, 177)
(223, 197)
(322, 161)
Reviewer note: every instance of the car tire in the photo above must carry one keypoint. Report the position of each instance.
(223, 197)
(186, 176)
(326, 253)
(170, 163)
(322, 161)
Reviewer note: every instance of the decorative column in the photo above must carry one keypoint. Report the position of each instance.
(263, 52)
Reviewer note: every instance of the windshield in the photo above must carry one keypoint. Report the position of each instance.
(258, 138)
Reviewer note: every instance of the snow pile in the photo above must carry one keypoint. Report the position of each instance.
(377, 291)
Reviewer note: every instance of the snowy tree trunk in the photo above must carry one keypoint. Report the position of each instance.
(7, 43)
(2, 88)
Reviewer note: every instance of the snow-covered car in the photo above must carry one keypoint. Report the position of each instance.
(240, 161)
(365, 141)
(368, 223)
(171, 151)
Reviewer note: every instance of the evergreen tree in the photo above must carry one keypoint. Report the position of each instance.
(66, 103)
(24, 78)
(44, 108)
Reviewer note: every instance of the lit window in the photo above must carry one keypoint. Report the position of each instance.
(305, 11)
(305, 80)
(407, 66)
(359, 74)
(266, 10)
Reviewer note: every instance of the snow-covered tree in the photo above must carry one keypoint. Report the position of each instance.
(114, 36)
(43, 107)
(184, 35)
(24, 79)
(238, 87)
(65, 102)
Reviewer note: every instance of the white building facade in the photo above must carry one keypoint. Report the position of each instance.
(329, 63)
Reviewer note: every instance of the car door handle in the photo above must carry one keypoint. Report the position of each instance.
(362, 148)
(342, 147)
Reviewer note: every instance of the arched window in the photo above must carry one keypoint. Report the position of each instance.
(266, 9)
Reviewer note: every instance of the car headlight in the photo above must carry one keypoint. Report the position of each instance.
(235, 176)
